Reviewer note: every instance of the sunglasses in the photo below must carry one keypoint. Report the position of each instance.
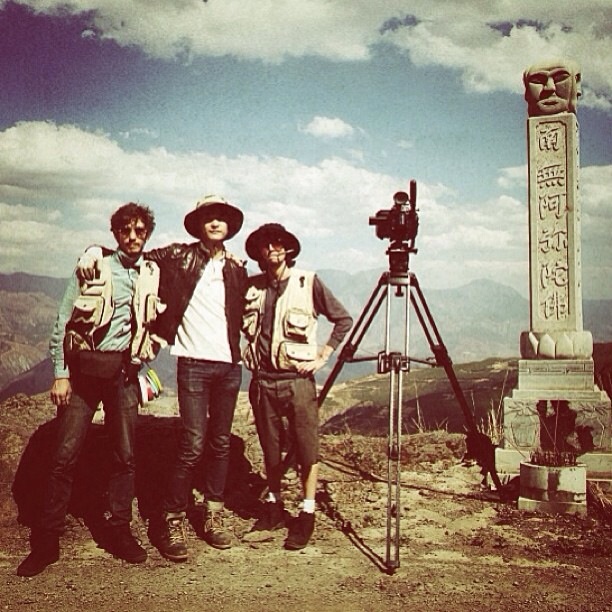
(141, 232)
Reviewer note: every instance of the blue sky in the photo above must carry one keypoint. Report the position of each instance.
(310, 113)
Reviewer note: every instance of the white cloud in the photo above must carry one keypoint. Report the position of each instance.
(405, 144)
(510, 178)
(327, 128)
(489, 43)
(595, 184)
(139, 132)
(59, 184)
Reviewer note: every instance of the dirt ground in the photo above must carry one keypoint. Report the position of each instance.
(460, 547)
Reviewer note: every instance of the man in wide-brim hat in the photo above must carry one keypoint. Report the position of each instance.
(272, 232)
(280, 326)
(203, 286)
(210, 207)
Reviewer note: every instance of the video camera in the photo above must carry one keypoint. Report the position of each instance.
(400, 225)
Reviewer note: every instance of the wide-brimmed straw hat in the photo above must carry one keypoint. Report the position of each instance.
(213, 206)
(270, 233)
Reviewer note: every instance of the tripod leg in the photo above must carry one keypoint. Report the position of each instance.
(395, 363)
(359, 330)
(479, 446)
(394, 447)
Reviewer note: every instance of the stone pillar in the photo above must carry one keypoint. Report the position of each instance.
(556, 405)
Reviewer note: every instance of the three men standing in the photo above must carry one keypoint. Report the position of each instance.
(207, 300)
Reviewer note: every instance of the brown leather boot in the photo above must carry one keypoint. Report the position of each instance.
(215, 532)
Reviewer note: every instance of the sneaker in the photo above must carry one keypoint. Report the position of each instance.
(172, 542)
(215, 532)
(272, 517)
(124, 545)
(300, 530)
(45, 551)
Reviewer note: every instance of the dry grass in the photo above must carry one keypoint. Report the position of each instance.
(368, 455)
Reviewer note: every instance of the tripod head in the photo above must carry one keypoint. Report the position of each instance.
(400, 225)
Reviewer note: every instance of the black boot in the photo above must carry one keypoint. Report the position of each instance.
(122, 544)
(44, 551)
(300, 531)
(272, 517)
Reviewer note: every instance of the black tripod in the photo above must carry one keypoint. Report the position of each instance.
(402, 283)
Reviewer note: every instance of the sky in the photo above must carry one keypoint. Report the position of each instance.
(309, 113)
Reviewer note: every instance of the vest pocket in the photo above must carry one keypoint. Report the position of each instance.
(297, 324)
(88, 309)
(250, 318)
(292, 353)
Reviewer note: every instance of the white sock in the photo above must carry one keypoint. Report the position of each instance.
(309, 506)
(272, 497)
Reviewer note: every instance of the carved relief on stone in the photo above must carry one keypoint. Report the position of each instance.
(557, 345)
(521, 424)
(552, 223)
(553, 218)
(552, 87)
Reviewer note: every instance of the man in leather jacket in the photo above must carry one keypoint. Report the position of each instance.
(203, 285)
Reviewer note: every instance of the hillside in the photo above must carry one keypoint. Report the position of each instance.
(460, 547)
(361, 405)
(26, 321)
(480, 320)
(19, 282)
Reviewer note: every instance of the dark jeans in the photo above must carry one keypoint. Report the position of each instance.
(120, 401)
(207, 392)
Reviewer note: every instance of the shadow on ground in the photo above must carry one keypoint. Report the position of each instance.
(156, 444)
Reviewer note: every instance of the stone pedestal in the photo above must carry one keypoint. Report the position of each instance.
(557, 404)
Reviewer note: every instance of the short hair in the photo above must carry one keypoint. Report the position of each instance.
(125, 214)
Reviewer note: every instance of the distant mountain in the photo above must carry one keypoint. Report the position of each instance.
(26, 321)
(479, 320)
(475, 321)
(360, 406)
(39, 378)
(27, 283)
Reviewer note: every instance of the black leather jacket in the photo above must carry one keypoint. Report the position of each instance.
(181, 266)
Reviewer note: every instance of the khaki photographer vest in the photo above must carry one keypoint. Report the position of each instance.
(294, 333)
(93, 310)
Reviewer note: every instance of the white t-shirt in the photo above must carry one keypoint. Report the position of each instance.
(202, 334)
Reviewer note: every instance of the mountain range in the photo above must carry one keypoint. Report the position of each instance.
(476, 321)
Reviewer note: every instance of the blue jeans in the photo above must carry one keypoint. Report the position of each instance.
(120, 401)
(207, 392)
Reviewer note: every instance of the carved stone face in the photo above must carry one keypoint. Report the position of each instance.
(552, 87)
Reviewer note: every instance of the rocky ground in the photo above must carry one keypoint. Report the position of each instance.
(460, 547)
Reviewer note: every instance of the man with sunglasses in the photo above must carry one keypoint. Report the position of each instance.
(202, 286)
(101, 336)
(280, 326)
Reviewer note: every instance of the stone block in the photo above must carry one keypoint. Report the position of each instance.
(577, 425)
(553, 489)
